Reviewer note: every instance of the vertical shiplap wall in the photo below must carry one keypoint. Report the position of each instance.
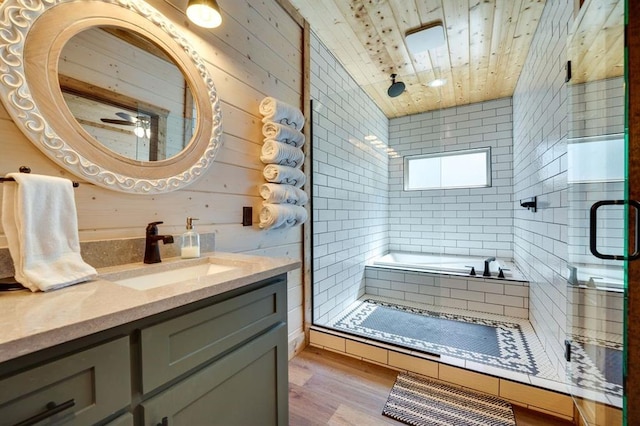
(540, 169)
(470, 221)
(350, 184)
(257, 52)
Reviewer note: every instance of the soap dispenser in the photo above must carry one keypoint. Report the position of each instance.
(190, 241)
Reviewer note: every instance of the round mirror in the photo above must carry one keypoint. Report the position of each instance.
(112, 92)
(131, 97)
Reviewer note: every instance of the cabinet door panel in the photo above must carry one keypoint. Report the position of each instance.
(174, 347)
(246, 387)
(98, 380)
(124, 420)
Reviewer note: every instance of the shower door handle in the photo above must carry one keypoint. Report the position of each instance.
(593, 229)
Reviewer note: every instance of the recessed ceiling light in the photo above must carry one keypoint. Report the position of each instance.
(425, 38)
(438, 82)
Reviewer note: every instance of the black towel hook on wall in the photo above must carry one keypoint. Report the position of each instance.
(25, 169)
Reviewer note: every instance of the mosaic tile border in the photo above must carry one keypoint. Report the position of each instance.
(585, 374)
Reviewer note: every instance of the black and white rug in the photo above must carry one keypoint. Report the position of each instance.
(421, 402)
(497, 343)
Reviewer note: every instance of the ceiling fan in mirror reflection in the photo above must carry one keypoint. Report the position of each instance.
(142, 123)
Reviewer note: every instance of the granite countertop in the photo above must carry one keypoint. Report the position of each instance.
(35, 321)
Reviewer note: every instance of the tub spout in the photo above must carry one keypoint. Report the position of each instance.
(487, 272)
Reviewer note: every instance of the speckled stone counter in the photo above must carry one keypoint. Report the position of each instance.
(35, 321)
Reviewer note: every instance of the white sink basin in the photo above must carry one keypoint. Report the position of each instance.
(173, 276)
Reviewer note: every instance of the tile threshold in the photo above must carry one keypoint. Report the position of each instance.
(475, 367)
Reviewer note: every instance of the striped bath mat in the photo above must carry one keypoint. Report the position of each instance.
(417, 401)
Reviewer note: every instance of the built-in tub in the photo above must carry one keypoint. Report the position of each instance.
(446, 282)
(447, 264)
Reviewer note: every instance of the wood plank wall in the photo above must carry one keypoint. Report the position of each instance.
(257, 52)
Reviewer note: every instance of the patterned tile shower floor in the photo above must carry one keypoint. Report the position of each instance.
(501, 346)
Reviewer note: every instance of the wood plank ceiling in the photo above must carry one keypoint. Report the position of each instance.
(486, 44)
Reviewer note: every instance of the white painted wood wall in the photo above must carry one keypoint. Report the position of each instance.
(257, 52)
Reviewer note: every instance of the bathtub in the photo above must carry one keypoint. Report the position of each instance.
(447, 264)
(445, 281)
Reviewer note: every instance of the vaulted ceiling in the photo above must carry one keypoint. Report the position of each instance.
(486, 44)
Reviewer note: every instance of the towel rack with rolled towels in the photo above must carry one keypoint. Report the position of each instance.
(25, 169)
(281, 151)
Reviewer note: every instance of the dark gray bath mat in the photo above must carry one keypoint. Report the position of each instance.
(498, 343)
(420, 402)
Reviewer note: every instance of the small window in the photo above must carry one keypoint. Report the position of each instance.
(470, 168)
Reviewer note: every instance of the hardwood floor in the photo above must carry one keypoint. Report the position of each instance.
(326, 388)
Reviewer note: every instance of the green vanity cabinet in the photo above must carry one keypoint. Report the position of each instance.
(93, 383)
(245, 387)
(221, 360)
(176, 346)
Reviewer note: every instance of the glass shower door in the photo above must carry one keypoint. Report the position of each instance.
(597, 211)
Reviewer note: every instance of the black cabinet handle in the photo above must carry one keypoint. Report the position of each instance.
(165, 422)
(52, 410)
(593, 230)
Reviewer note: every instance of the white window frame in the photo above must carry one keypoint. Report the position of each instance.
(408, 159)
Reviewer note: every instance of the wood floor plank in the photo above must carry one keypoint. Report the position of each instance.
(326, 388)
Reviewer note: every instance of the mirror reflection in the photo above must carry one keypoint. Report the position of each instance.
(127, 93)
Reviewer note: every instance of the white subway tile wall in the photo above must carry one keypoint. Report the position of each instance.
(472, 221)
(540, 169)
(350, 184)
(596, 109)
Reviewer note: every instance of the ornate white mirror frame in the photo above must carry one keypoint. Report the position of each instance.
(32, 35)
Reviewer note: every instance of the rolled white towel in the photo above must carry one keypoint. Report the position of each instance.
(274, 152)
(284, 174)
(281, 215)
(282, 133)
(281, 112)
(283, 194)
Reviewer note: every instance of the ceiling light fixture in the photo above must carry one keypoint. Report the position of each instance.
(438, 82)
(396, 88)
(425, 38)
(204, 13)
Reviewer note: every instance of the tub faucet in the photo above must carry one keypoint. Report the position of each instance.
(151, 248)
(487, 261)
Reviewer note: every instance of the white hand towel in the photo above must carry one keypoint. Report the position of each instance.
(281, 112)
(41, 225)
(274, 152)
(281, 215)
(283, 133)
(276, 193)
(284, 174)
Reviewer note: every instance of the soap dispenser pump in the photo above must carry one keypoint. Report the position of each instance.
(190, 241)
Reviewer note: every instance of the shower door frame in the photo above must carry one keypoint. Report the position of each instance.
(632, 342)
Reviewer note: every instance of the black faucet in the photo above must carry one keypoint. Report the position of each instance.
(151, 248)
(487, 261)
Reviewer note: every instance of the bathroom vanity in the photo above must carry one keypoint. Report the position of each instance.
(210, 349)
